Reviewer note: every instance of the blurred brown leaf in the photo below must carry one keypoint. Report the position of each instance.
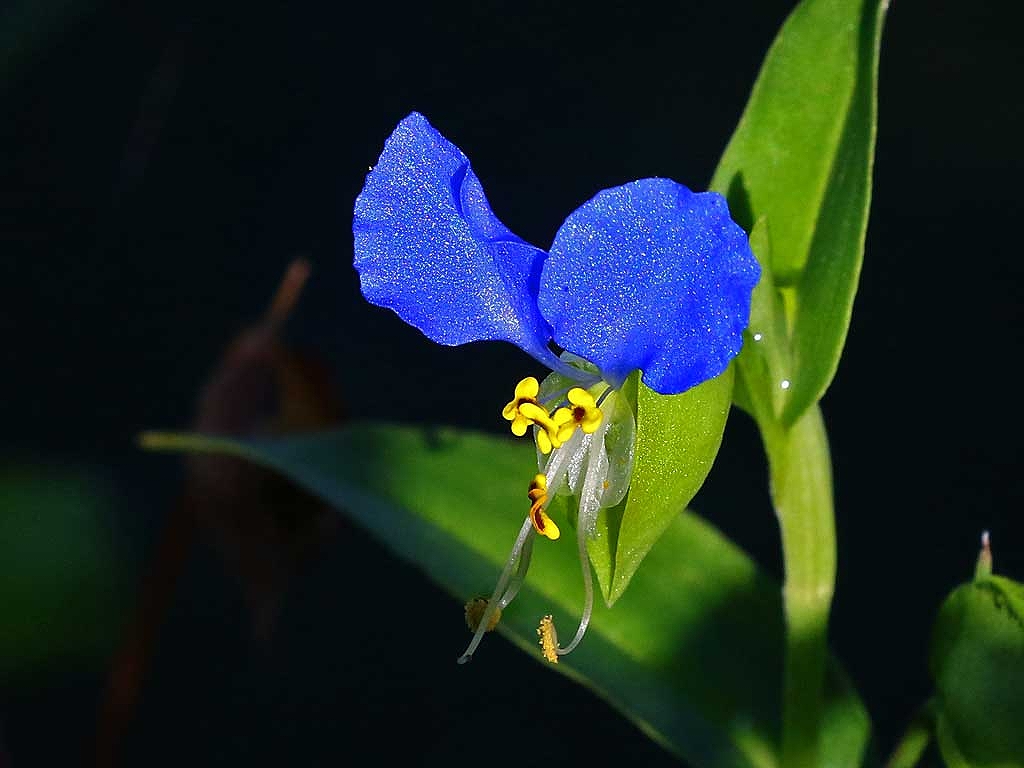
(263, 526)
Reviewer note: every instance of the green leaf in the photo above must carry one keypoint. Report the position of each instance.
(692, 654)
(677, 439)
(802, 157)
(977, 664)
(765, 366)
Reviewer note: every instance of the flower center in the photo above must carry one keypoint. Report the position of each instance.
(554, 428)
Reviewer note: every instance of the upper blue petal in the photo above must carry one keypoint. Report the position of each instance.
(651, 276)
(428, 246)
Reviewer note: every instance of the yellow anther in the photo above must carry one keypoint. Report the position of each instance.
(538, 494)
(544, 443)
(538, 488)
(585, 410)
(556, 428)
(548, 434)
(524, 410)
(545, 525)
(584, 414)
(526, 394)
(548, 639)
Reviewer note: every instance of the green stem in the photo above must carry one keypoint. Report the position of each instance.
(801, 485)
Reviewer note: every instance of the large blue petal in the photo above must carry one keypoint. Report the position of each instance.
(651, 276)
(428, 246)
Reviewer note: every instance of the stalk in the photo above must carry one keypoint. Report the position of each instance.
(801, 488)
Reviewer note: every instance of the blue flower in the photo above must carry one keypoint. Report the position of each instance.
(647, 277)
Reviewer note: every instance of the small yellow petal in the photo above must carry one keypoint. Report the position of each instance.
(520, 425)
(511, 410)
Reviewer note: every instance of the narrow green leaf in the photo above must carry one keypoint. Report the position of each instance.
(692, 654)
(828, 284)
(779, 160)
(802, 156)
(977, 664)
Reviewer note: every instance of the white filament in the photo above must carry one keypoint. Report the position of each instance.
(516, 583)
(586, 523)
(493, 603)
(508, 585)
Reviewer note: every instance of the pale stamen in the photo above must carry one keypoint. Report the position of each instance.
(525, 533)
(586, 522)
(588, 597)
(517, 580)
(508, 585)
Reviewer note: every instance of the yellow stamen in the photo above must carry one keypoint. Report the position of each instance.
(544, 525)
(548, 427)
(556, 428)
(526, 394)
(538, 494)
(548, 639)
(525, 410)
(584, 414)
(538, 487)
(544, 442)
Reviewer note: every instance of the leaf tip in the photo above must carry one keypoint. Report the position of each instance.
(983, 569)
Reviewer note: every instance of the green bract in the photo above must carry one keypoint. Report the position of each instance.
(977, 664)
(676, 440)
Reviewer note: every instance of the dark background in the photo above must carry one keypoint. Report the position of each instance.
(162, 164)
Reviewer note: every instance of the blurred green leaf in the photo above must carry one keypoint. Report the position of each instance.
(802, 158)
(977, 664)
(692, 653)
(58, 589)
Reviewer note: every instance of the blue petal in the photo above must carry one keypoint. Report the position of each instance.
(651, 276)
(428, 246)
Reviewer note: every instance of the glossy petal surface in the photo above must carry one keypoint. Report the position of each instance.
(651, 276)
(428, 246)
